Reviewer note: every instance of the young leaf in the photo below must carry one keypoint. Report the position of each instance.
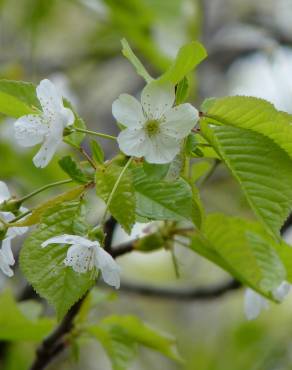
(44, 268)
(123, 203)
(39, 211)
(16, 326)
(242, 248)
(182, 91)
(97, 152)
(253, 114)
(129, 54)
(262, 169)
(18, 98)
(70, 167)
(188, 57)
(161, 200)
(120, 336)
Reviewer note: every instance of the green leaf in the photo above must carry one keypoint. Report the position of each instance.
(75, 139)
(129, 54)
(121, 334)
(18, 98)
(155, 171)
(242, 248)
(123, 203)
(262, 169)
(254, 114)
(162, 200)
(182, 91)
(70, 167)
(188, 57)
(44, 268)
(39, 211)
(200, 169)
(97, 152)
(15, 326)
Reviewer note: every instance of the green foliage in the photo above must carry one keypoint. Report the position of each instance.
(18, 98)
(70, 167)
(97, 152)
(155, 171)
(16, 326)
(161, 200)
(120, 336)
(44, 267)
(123, 203)
(200, 169)
(188, 57)
(253, 114)
(182, 91)
(242, 248)
(262, 168)
(129, 54)
(38, 212)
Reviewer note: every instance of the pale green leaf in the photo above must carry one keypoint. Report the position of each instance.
(44, 267)
(162, 200)
(254, 114)
(16, 326)
(129, 54)
(18, 98)
(188, 57)
(242, 248)
(39, 211)
(123, 203)
(262, 169)
(120, 336)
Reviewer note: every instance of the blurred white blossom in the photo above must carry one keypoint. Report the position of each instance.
(267, 76)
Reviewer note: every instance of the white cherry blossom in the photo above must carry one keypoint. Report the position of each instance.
(47, 127)
(85, 254)
(254, 303)
(6, 255)
(154, 128)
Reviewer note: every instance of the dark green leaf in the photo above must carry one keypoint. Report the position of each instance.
(70, 167)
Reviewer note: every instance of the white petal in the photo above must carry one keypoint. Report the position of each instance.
(4, 192)
(128, 111)
(254, 303)
(49, 97)
(68, 239)
(16, 231)
(46, 152)
(5, 258)
(67, 116)
(81, 258)
(157, 98)
(30, 130)
(110, 270)
(7, 252)
(180, 120)
(7, 216)
(133, 142)
(162, 149)
(281, 291)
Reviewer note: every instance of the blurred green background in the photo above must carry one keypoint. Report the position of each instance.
(76, 44)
